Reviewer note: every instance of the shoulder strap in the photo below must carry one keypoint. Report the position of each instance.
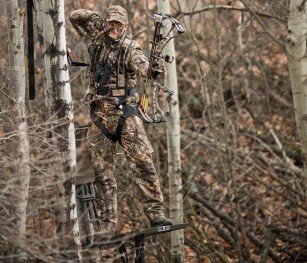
(96, 53)
(121, 67)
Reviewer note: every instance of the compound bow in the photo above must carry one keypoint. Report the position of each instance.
(158, 43)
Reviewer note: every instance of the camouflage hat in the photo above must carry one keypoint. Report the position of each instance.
(116, 13)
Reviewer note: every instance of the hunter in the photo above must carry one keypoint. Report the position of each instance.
(115, 63)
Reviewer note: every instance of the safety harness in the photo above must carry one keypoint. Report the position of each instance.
(127, 112)
(121, 92)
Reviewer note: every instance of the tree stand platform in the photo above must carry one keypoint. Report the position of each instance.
(139, 240)
(86, 195)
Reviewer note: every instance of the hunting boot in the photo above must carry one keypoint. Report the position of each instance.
(164, 221)
(156, 216)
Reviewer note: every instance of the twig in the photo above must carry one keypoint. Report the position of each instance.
(146, 9)
(301, 6)
(264, 27)
(228, 7)
(229, 220)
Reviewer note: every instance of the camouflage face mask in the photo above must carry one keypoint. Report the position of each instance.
(115, 30)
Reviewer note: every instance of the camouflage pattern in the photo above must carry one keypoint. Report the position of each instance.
(136, 145)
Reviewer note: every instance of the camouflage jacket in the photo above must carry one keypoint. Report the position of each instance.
(89, 25)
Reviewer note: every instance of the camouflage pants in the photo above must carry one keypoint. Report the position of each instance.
(137, 150)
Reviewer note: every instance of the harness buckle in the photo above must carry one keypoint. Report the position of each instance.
(118, 92)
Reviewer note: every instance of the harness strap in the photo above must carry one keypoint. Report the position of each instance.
(108, 91)
(97, 121)
(119, 128)
(127, 112)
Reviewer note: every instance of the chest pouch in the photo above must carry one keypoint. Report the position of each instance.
(102, 74)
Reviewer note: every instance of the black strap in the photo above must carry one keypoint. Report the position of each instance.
(127, 112)
(121, 67)
(119, 128)
(97, 121)
(30, 50)
(102, 91)
(96, 54)
(108, 91)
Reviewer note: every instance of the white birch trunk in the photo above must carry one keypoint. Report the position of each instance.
(58, 101)
(297, 61)
(189, 6)
(185, 7)
(173, 145)
(15, 32)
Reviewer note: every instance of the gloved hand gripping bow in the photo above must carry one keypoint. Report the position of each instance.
(156, 68)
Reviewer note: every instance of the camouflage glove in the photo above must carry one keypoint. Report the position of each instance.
(97, 21)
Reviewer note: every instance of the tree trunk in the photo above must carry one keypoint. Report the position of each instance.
(59, 102)
(297, 61)
(15, 35)
(46, 34)
(173, 142)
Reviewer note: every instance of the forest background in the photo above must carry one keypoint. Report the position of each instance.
(242, 164)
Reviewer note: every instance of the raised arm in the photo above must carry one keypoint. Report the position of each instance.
(137, 61)
(86, 22)
(139, 64)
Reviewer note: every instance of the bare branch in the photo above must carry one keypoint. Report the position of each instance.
(301, 6)
(264, 27)
(228, 7)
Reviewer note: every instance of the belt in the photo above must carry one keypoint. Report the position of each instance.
(115, 92)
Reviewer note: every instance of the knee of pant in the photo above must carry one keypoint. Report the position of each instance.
(106, 192)
(106, 178)
(154, 211)
(103, 168)
(143, 165)
(106, 185)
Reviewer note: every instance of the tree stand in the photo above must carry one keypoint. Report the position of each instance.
(87, 198)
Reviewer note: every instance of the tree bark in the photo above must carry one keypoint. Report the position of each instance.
(58, 102)
(173, 142)
(46, 34)
(297, 62)
(18, 80)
